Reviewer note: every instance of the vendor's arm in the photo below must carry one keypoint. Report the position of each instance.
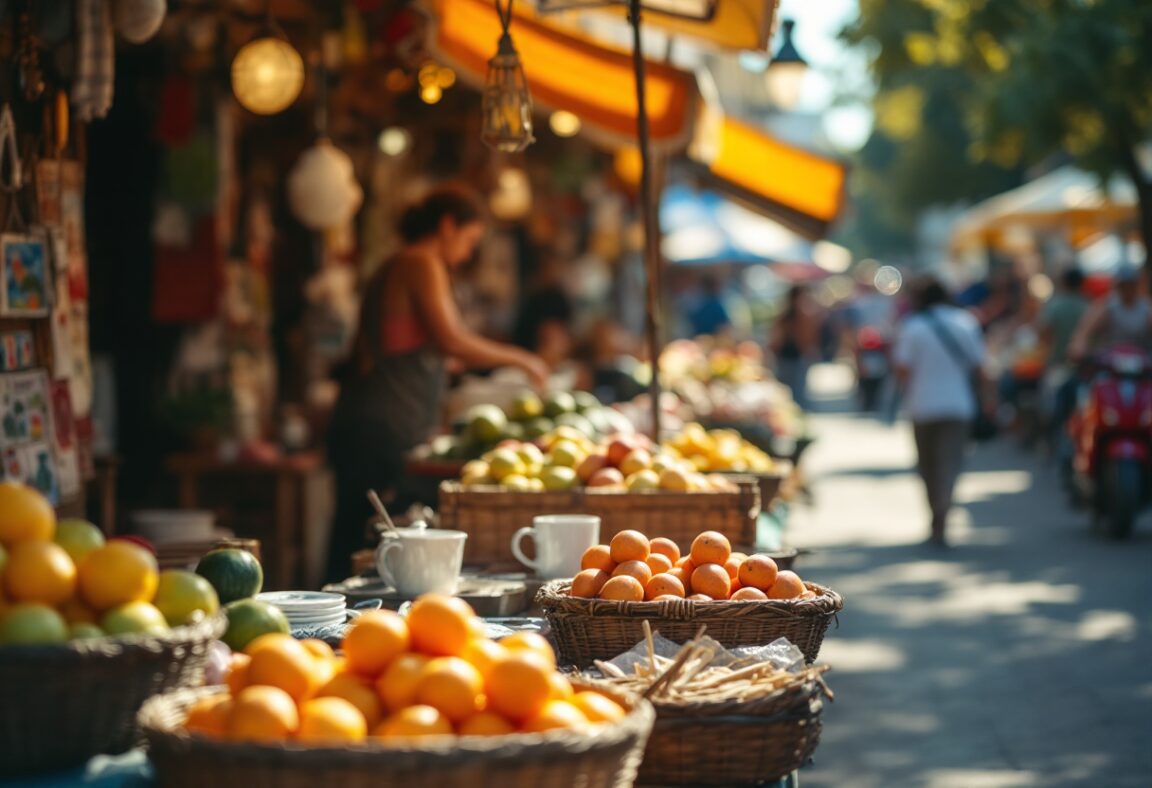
(432, 291)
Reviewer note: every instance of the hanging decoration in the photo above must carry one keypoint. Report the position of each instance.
(138, 20)
(323, 192)
(267, 72)
(507, 104)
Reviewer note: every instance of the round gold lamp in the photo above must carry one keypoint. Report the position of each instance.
(267, 75)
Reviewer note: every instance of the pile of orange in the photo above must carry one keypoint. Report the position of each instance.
(432, 674)
(634, 568)
(61, 581)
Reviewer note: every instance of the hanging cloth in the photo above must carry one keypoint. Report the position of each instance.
(95, 60)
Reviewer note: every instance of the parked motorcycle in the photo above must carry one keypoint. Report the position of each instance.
(1111, 431)
(873, 367)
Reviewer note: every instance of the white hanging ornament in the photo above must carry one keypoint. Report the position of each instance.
(323, 192)
(138, 20)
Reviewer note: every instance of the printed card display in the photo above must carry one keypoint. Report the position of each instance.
(26, 278)
(27, 443)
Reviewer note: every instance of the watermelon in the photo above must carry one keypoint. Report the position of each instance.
(248, 619)
(235, 574)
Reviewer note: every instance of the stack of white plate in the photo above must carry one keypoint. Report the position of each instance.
(308, 609)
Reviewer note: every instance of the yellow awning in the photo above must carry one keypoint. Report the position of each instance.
(796, 187)
(569, 72)
(737, 24)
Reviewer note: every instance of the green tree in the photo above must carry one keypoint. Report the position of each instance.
(1031, 79)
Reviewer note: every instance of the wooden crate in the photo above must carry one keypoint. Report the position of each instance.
(491, 515)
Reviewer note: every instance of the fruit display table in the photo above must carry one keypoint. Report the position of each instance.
(285, 503)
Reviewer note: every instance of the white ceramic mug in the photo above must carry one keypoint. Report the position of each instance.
(417, 561)
(561, 540)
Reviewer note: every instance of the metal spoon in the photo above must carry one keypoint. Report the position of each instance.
(378, 505)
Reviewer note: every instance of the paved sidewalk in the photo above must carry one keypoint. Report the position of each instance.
(1021, 657)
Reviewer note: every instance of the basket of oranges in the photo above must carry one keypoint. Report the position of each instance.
(745, 600)
(421, 702)
(88, 631)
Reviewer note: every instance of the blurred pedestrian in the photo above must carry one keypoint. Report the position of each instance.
(1124, 318)
(391, 386)
(939, 357)
(1058, 322)
(710, 315)
(795, 342)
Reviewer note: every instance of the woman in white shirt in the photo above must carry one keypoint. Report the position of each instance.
(939, 354)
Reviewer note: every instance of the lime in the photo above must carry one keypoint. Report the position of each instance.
(183, 597)
(134, 618)
(248, 619)
(82, 630)
(78, 537)
(32, 623)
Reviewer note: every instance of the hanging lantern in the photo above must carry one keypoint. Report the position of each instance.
(267, 72)
(323, 192)
(507, 105)
(138, 20)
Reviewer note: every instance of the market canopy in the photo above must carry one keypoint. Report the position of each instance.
(736, 24)
(567, 71)
(800, 189)
(1066, 197)
(702, 228)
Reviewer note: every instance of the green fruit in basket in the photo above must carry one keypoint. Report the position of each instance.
(514, 431)
(235, 574)
(558, 478)
(530, 454)
(526, 406)
(517, 483)
(486, 423)
(642, 481)
(585, 401)
(578, 423)
(538, 428)
(248, 619)
(133, 618)
(504, 463)
(28, 624)
(566, 454)
(557, 403)
(83, 630)
(78, 538)
(185, 597)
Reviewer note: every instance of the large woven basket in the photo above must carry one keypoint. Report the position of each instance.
(60, 705)
(491, 515)
(772, 483)
(606, 757)
(730, 743)
(585, 630)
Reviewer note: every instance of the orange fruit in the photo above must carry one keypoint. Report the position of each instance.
(39, 572)
(377, 638)
(683, 575)
(664, 585)
(331, 720)
(629, 546)
(414, 722)
(117, 573)
(732, 565)
(482, 654)
(749, 594)
(687, 564)
(555, 714)
(397, 685)
(588, 582)
(710, 547)
(713, 580)
(788, 585)
(530, 641)
(658, 563)
(263, 714)
(598, 557)
(318, 648)
(451, 686)
(486, 723)
(561, 687)
(597, 707)
(25, 515)
(441, 626)
(758, 571)
(701, 598)
(76, 612)
(623, 589)
(209, 716)
(238, 673)
(637, 569)
(358, 691)
(665, 547)
(280, 661)
(519, 685)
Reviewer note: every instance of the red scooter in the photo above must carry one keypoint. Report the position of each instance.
(1111, 432)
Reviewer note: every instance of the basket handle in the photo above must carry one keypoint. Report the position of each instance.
(516, 551)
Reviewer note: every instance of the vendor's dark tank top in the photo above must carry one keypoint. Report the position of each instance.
(387, 397)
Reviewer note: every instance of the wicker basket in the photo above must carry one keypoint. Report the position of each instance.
(608, 757)
(491, 515)
(60, 705)
(589, 629)
(771, 483)
(732, 742)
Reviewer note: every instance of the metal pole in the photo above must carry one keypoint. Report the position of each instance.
(649, 213)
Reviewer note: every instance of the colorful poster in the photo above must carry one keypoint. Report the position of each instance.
(26, 278)
(72, 221)
(26, 436)
(17, 351)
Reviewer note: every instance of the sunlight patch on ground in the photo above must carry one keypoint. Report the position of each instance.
(980, 778)
(1107, 625)
(862, 656)
(981, 485)
(970, 602)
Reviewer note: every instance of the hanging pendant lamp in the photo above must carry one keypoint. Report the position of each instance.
(507, 104)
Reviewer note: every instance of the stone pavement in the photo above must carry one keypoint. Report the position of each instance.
(1020, 657)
